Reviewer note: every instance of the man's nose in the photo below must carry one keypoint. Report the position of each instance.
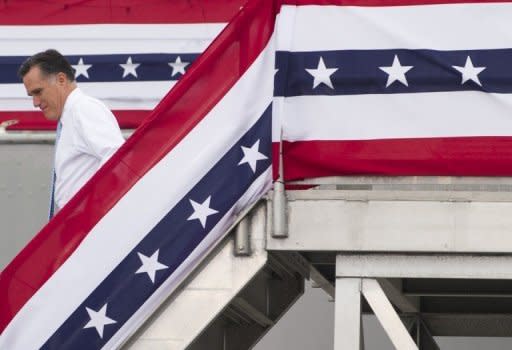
(36, 101)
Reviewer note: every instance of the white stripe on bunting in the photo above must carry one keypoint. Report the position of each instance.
(442, 27)
(388, 116)
(88, 39)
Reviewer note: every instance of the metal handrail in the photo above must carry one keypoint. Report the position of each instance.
(36, 137)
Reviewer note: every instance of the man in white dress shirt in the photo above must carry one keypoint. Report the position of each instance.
(88, 133)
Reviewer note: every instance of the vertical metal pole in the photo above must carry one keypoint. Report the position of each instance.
(418, 333)
(361, 336)
(347, 314)
(279, 224)
(242, 238)
(426, 340)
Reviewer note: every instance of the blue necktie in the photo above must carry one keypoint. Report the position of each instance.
(54, 176)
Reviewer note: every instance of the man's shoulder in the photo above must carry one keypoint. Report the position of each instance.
(86, 104)
(85, 99)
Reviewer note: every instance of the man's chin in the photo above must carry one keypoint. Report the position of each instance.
(50, 116)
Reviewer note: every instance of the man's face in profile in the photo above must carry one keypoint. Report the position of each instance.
(47, 91)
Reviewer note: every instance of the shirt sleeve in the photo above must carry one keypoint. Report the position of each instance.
(98, 130)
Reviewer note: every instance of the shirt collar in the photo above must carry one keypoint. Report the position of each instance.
(70, 101)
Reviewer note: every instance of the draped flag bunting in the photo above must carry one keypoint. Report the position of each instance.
(128, 54)
(395, 88)
(352, 87)
(108, 259)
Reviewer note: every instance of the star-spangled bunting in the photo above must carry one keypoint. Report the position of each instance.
(252, 155)
(178, 66)
(364, 85)
(201, 211)
(470, 72)
(172, 66)
(322, 74)
(81, 68)
(150, 265)
(99, 319)
(396, 72)
(377, 72)
(229, 182)
(130, 68)
(146, 67)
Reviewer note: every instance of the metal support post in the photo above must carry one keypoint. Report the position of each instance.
(361, 343)
(279, 224)
(347, 317)
(425, 340)
(242, 238)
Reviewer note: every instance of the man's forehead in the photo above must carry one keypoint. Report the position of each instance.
(33, 82)
(35, 77)
(35, 73)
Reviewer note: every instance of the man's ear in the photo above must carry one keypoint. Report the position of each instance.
(61, 78)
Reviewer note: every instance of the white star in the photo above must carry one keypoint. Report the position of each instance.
(81, 68)
(178, 66)
(99, 319)
(470, 72)
(150, 265)
(202, 211)
(396, 72)
(322, 74)
(129, 67)
(252, 155)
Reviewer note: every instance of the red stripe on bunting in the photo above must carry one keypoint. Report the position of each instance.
(28, 12)
(204, 85)
(33, 120)
(457, 156)
(384, 2)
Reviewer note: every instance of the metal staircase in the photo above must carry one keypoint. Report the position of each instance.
(238, 293)
(428, 256)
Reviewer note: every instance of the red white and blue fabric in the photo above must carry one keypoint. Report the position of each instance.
(361, 87)
(108, 259)
(126, 53)
(393, 87)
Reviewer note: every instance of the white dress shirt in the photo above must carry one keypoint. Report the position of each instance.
(90, 135)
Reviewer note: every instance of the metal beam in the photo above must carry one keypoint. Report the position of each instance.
(424, 266)
(321, 282)
(394, 291)
(35, 137)
(251, 312)
(405, 180)
(495, 193)
(469, 325)
(425, 339)
(394, 221)
(387, 316)
(461, 288)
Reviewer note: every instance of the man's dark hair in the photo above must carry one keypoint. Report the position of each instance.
(49, 62)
